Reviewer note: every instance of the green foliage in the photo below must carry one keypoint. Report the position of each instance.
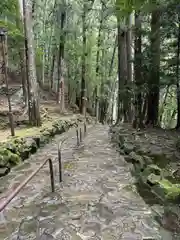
(12, 30)
(7, 6)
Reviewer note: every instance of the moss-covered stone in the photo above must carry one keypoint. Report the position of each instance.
(178, 144)
(153, 168)
(153, 179)
(172, 191)
(147, 160)
(151, 174)
(137, 159)
(8, 158)
(128, 147)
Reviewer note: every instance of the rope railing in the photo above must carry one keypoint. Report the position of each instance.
(15, 192)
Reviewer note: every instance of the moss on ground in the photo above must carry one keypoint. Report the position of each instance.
(17, 149)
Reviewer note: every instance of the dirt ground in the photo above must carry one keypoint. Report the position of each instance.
(48, 107)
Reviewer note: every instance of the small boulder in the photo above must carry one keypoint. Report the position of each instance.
(153, 179)
(137, 159)
(121, 140)
(167, 190)
(151, 174)
(4, 171)
(147, 160)
(128, 147)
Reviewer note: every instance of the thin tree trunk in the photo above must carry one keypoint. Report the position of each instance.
(163, 104)
(52, 71)
(119, 101)
(111, 92)
(177, 75)
(3, 41)
(113, 56)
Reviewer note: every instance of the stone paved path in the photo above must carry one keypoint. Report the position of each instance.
(97, 199)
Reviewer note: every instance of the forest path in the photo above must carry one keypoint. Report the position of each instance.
(97, 199)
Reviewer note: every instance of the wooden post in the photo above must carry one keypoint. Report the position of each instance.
(96, 104)
(3, 39)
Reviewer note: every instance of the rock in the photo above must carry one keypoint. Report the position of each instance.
(8, 158)
(167, 190)
(147, 160)
(153, 179)
(170, 220)
(128, 148)
(4, 171)
(151, 175)
(121, 140)
(143, 151)
(137, 159)
(176, 173)
(153, 168)
(46, 236)
(30, 144)
(178, 144)
(159, 157)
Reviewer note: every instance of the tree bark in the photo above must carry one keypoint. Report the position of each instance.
(129, 66)
(3, 40)
(122, 74)
(19, 25)
(138, 120)
(83, 76)
(34, 93)
(177, 75)
(60, 84)
(154, 78)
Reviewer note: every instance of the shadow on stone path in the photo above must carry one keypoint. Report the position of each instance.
(97, 199)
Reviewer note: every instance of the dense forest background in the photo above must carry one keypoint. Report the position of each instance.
(117, 60)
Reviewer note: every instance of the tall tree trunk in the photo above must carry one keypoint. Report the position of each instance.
(52, 70)
(119, 100)
(177, 75)
(60, 87)
(19, 25)
(61, 55)
(138, 121)
(129, 66)
(154, 78)
(97, 65)
(113, 84)
(34, 93)
(83, 76)
(122, 74)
